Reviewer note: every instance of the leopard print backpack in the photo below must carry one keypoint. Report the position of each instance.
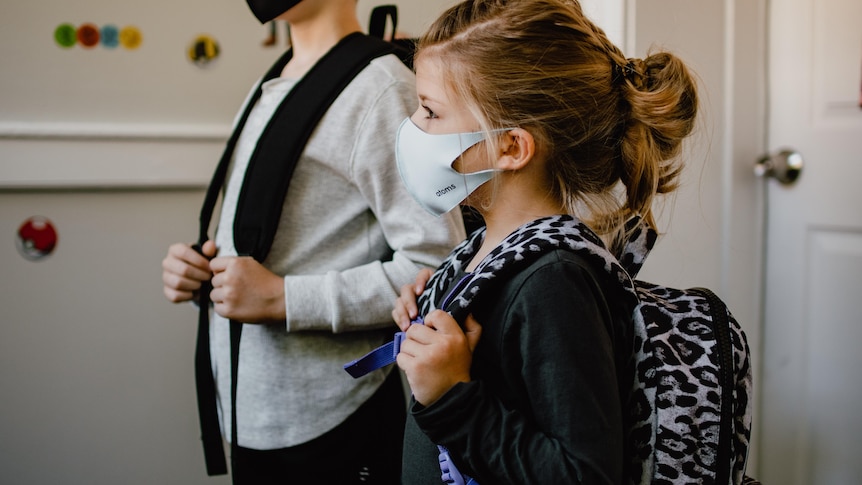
(690, 408)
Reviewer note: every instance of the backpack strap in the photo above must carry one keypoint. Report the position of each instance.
(220, 174)
(204, 381)
(726, 379)
(205, 387)
(403, 48)
(637, 246)
(262, 197)
(379, 16)
(518, 250)
(387, 353)
(268, 175)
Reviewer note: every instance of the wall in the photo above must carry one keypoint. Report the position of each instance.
(116, 146)
(96, 367)
(714, 223)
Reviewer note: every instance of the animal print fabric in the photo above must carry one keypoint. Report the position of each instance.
(676, 399)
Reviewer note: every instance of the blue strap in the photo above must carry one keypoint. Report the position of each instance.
(377, 358)
(450, 473)
(381, 357)
(387, 354)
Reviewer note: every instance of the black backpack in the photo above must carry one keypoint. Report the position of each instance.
(265, 187)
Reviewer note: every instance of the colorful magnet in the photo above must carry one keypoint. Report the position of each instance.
(110, 36)
(88, 35)
(37, 238)
(203, 50)
(131, 37)
(65, 35)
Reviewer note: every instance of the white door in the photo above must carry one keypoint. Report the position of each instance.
(811, 388)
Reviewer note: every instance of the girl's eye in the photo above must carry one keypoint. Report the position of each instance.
(431, 115)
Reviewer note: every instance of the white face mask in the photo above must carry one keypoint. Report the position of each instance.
(425, 163)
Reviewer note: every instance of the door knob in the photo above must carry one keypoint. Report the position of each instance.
(784, 166)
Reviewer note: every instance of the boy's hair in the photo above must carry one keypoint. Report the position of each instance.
(598, 117)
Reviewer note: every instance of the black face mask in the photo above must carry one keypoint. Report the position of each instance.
(266, 10)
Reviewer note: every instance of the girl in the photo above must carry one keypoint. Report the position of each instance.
(529, 115)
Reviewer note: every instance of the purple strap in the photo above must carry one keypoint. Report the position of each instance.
(377, 358)
(387, 354)
(382, 356)
(450, 473)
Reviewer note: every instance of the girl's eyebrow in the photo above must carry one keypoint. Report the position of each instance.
(425, 98)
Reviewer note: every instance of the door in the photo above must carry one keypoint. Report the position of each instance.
(811, 388)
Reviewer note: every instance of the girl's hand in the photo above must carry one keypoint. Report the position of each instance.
(438, 355)
(405, 309)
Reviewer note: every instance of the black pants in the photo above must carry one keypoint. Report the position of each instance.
(364, 449)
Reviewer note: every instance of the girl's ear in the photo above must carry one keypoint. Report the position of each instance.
(517, 148)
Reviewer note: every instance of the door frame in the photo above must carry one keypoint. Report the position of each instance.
(715, 229)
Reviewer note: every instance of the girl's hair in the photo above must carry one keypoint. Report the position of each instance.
(598, 117)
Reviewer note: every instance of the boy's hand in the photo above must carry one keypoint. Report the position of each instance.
(184, 269)
(244, 290)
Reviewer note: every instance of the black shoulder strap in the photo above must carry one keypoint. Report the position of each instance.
(283, 140)
(377, 22)
(262, 198)
(403, 48)
(218, 179)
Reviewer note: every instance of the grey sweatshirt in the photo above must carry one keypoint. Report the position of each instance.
(349, 237)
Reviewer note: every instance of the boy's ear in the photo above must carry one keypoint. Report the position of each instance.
(517, 148)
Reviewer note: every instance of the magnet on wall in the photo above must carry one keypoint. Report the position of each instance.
(89, 36)
(203, 50)
(131, 37)
(37, 238)
(110, 36)
(66, 35)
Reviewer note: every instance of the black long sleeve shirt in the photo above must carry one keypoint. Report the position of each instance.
(549, 376)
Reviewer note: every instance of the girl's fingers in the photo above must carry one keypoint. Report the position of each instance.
(421, 280)
(473, 331)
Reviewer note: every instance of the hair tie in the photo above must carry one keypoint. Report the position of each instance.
(627, 72)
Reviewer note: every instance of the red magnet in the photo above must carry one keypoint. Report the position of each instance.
(37, 238)
(88, 35)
